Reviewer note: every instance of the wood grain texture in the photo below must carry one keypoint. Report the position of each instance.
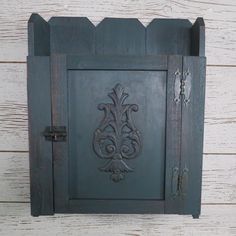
(220, 113)
(218, 181)
(60, 118)
(218, 185)
(14, 177)
(13, 107)
(15, 220)
(220, 19)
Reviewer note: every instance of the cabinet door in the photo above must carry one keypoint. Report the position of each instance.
(115, 155)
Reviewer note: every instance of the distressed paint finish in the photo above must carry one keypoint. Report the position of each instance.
(128, 46)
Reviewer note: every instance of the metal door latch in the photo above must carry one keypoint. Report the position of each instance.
(55, 133)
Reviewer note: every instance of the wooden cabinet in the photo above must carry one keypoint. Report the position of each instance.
(115, 115)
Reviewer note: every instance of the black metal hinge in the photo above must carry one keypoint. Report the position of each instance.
(179, 182)
(55, 133)
(182, 86)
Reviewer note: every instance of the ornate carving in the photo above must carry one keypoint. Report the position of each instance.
(117, 138)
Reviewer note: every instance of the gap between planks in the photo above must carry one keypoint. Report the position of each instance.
(14, 151)
(203, 204)
(210, 65)
(204, 153)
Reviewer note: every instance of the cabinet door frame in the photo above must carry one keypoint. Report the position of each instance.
(194, 70)
(60, 63)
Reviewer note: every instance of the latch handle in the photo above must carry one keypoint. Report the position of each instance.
(55, 133)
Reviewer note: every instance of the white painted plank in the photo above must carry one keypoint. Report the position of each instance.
(220, 110)
(220, 135)
(220, 121)
(220, 93)
(219, 186)
(215, 220)
(14, 177)
(218, 179)
(13, 107)
(220, 18)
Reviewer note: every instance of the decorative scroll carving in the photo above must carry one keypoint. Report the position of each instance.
(117, 138)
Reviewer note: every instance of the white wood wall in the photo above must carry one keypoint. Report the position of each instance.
(219, 174)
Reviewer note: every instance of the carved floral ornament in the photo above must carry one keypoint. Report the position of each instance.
(116, 138)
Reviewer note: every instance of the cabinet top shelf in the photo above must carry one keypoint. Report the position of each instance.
(115, 36)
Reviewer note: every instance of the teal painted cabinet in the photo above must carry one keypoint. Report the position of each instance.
(115, 115)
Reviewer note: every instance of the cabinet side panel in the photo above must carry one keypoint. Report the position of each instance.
(39, 108)
(192, 134)
(38, 36)
(198, 38)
